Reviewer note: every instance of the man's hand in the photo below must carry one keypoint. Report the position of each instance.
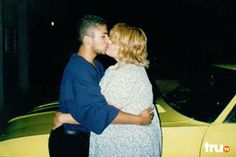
(146, 116)
(56, 121)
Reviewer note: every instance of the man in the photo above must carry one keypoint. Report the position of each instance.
(81, 98)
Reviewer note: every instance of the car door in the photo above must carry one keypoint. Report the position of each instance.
(219, 140)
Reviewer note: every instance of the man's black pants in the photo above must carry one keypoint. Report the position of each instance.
(63, 143)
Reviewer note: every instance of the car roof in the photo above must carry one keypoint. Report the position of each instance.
(226, 66)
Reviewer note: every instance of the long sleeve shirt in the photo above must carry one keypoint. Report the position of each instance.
(80, 95)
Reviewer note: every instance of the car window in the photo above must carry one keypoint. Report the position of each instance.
(203, 95)
(232, 116)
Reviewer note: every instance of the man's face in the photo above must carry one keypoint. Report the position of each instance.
(100, 40)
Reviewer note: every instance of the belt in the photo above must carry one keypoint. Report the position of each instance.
(80, 133)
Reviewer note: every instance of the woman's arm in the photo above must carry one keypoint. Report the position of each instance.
(144, 118)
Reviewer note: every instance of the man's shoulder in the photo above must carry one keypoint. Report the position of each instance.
(75, 59)
(77, 63)
(76, 67)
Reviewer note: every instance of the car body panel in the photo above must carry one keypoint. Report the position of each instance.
(170, 117)
(182, 141)
(226, 66)
(40, 123)
(45, 107)
(175, 127)
(187, 137)
(28, 146)
(217, 137)
(27, 136)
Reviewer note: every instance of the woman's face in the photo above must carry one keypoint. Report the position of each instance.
(112, 50)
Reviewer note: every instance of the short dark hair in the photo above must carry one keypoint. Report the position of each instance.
(86, 23)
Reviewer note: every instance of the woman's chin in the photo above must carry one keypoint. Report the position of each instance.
(108, 54)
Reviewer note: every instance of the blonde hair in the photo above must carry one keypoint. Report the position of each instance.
(131, 42)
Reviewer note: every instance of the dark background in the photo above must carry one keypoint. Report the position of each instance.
(183, 36)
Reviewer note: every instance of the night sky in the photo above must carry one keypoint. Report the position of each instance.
(182, 35)
(177, 30)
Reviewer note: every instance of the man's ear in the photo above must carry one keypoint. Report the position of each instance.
(87, 40)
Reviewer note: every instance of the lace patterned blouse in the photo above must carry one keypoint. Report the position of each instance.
(130, 90)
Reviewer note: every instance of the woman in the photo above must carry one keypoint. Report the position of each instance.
(126, 86)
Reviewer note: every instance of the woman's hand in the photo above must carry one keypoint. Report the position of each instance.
(56, 121)
(110, 103)
(61, 118)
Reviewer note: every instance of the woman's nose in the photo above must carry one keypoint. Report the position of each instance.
(108, 40)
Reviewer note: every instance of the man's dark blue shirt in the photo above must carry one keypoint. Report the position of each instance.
(80, 95)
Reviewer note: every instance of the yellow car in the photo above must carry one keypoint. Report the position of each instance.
(27, 136)
(198, 119)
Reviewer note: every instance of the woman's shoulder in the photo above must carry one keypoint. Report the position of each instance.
(139, 73)
(136, 70)
(111, 67)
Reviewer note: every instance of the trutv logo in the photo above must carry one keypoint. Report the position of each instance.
(218, 148)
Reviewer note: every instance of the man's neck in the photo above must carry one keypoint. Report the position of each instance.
(87, 54)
